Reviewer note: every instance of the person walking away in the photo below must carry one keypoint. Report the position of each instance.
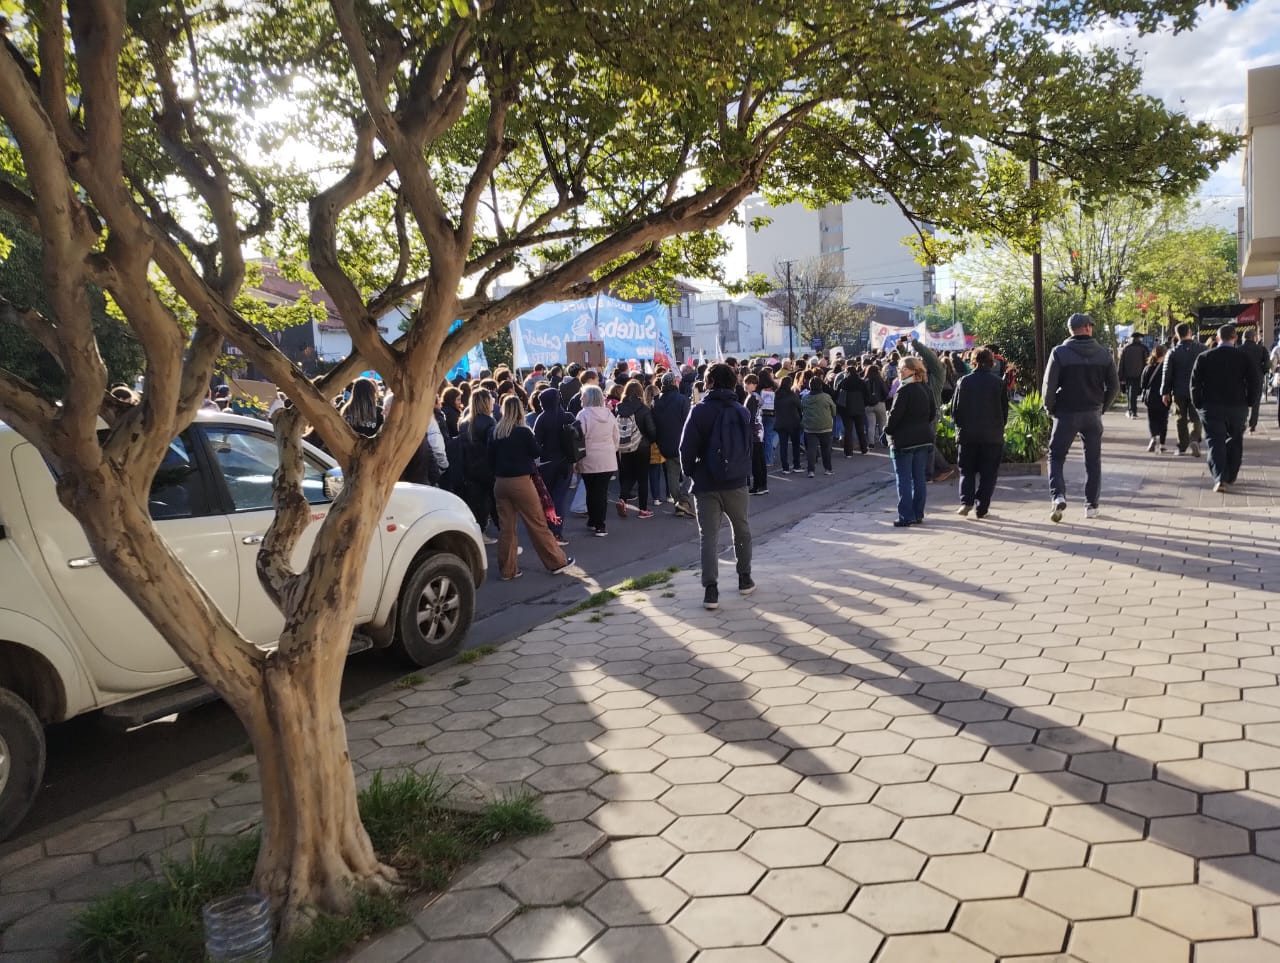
(818, 412)
(1153, 396)
(1176, 383)
(877, 405)
(362, 412)
(1224, 385)
(558, 454)
(980, 409)
(670, 412)
(1133, 360)
(938, 469)
(600, 431)
(787, 419)
(768, 396)
(851, 403)
(715, 454)
(1256, 353)
(475, 430)
(513, 457)
(1080, 382)
(571, 385)
(759, 472)
(911, 436)
(636, 433)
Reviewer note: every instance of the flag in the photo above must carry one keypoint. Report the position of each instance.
(662, 351)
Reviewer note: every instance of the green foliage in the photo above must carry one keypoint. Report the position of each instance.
(1026, 434)
(594, 601)
(412, 825)
(469, 656)
(648, 580)
(1179, 271)
(946, 438)
(498, 350)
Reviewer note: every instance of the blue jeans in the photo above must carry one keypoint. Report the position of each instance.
(909, 465)
(770, 439)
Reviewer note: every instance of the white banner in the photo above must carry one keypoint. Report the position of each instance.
(949, 339)
(885, 336)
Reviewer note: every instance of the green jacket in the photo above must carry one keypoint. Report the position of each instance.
(817, 412)
(937, 374)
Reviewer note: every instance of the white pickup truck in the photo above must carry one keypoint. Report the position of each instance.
(71, 642)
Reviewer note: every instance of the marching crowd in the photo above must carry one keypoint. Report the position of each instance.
(704, 439)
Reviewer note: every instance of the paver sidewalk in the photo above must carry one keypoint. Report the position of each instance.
(967, 741)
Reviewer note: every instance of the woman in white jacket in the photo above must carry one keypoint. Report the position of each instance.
(600, 429)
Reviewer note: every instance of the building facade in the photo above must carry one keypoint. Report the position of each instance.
(1259, 219)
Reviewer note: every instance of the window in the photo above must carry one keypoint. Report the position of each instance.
(248, 461)
(177, 490)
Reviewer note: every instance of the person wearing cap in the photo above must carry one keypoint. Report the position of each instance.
(1224, 384)
(1080, 382)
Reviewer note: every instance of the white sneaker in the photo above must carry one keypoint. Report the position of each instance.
(1058, 508)
(1151, 445)
(1091, 511)
(1220, 487)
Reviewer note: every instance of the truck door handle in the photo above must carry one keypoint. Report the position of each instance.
(252, 540)
(84, 562)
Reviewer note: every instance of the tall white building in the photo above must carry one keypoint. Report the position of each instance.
(862, 238)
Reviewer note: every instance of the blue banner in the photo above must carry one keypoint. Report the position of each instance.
(629, 330)
(471, 363)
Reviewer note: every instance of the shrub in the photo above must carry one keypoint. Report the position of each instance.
(1026, 435)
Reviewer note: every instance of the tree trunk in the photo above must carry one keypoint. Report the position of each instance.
(316, 855)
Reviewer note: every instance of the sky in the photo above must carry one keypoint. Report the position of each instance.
(1201, 73)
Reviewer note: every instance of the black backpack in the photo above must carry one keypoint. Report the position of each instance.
(573, 441)
(729, 448)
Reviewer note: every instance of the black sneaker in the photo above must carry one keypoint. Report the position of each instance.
(568, 561)
(600, 532)
(711, 597)
(745, 585)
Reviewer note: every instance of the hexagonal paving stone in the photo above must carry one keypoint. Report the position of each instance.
(974, 876)
(1079, 894)
(761, 780)
(1196, 912)
(1151, 798)
(632, 818)
(629, 760)
(630, 785)
(1251, 879)
(634, 858)
(716, 874)
(1097, 823)
(550, 882)
(894, 769)
(545, 933)
(1037, 848)
(972, 777)
(877, 861)
(1199, 836)
(903, 907)
(1143, 863)
(1003, 810)
(853, 823)
(792, 846)
(935, 948)
(804, 890)
(942, 835)
(837, 789)
(567, 840)
(471, 912)
(803, 939)
(639, 944)
(917, 800)
(704, 834)
(1124, 941)
(773, 810)
(1011, 927)
(636, 902)
(714, 921)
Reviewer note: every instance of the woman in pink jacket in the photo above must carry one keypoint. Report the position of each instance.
(600, 428)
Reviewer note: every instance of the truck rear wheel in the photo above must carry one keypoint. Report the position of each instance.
(437, 604)
(21, 760)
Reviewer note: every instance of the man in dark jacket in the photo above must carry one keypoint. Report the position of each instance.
(570, 386)
(1080, 383)
(1256, 353)
(980, 409)
(1224, 383)
(850, 388)
(555, 464)
(715, 496)
(1176, 382)
(670, 412)
(1132, 360)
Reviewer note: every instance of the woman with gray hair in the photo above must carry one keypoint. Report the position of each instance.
(600, 429)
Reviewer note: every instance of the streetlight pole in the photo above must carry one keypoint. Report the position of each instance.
(791, 326)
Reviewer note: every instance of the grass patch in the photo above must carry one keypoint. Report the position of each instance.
(603, 597)
(411, 828)
(647, 581)
(410, 680)
(239, 776)
(476, 654)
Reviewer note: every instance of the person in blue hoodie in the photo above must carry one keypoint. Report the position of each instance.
(554, 465)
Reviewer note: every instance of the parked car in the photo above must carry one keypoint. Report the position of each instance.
(71, 642)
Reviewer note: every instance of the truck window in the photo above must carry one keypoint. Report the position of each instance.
(177, 490)
(248, 460)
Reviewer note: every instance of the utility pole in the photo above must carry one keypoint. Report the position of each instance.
(791, 324)
(953, 304)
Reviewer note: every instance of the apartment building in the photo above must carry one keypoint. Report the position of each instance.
(1259, 219)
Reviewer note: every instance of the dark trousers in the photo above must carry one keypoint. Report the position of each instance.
(1224, 437)
(479, 498)
(1066, 425)
(854, 423)
(1187, 423)
(909, 467)
(759, 473)
(979, 468)
(1158, 420)
(597, 497)
(556, 477)
(633, 472)
(1256, 408)
(814, 442)
(1132, 388)
(789, 439)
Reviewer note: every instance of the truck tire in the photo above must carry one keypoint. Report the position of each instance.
(436, 606)
(21, 760)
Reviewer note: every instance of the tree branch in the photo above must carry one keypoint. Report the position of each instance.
(293, 512)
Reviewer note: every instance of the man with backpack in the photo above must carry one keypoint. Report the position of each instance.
(715, 454)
